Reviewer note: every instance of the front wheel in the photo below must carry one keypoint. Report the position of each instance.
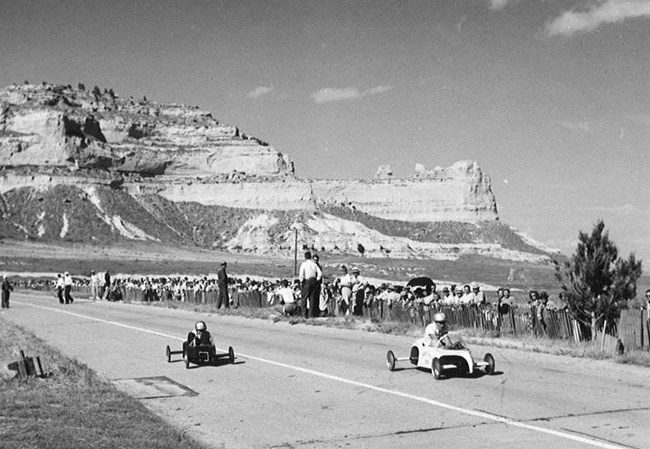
(168, 352)
(390, 361)
(489, 368)
(436, 369)
(231, 354)
(186, 358)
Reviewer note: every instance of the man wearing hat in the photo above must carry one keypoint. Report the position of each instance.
(222, 287)
(479, 296)
(447, 297)
(6, 289)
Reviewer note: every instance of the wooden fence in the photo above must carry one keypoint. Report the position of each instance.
(633, 327)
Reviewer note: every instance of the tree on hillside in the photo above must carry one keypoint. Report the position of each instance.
(597, 282)
(361, 249)
(97, 92)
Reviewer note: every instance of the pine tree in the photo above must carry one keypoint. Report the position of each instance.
(596, 281)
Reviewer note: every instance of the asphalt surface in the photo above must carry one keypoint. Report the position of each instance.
(315, 387)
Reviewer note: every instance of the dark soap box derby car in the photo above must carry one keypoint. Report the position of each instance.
(200, 355)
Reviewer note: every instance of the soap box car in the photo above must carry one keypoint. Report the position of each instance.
(200, 355)
(445, 356)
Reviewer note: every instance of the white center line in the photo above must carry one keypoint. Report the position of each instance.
(478, 414)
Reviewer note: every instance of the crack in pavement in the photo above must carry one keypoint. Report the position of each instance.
(579, 415)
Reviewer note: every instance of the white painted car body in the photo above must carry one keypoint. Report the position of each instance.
(445, 356)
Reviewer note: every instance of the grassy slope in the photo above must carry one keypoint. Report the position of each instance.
(73, 408)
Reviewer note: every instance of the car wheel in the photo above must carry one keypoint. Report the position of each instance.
(436, 369)
(186, 358)
(390, 361)
(415, 355)
(231, 354)
(489, 369)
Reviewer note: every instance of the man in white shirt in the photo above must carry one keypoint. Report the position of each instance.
(344, 282)
(479, 296)
(310, 276)
(67, 288)
(468, 297)
(287, 298)
(94, 285)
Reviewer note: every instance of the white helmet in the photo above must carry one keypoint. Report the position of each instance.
(439, 317)
(200, 326)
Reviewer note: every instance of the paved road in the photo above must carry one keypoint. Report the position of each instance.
(315, 387)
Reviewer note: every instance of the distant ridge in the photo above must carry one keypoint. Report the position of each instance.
(90, 166)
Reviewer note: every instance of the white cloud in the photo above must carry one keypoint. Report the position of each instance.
(259, 92)
(329, 94)
(498, 4)
(575, 21)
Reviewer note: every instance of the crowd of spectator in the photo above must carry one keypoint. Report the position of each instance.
(347, 294)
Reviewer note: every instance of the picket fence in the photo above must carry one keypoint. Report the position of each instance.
(632, 328)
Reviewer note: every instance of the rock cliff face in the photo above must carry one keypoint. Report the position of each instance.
(177, 165)
(46, 125)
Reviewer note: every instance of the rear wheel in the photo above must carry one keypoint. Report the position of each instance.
(390, 361)
(231, 354)
(168, 352)
(436, 369)
(489, 368)
(415, 355)
(186, 358)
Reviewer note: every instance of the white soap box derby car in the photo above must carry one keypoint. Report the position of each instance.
(448, 355)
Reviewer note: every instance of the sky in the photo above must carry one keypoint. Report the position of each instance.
(552, 98)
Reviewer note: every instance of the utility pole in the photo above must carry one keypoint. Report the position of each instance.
(295, 253)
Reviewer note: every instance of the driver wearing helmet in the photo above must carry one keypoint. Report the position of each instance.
(438, 330)
(200, 335)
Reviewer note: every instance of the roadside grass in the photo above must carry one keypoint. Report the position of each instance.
(473, 336)
(72, 407)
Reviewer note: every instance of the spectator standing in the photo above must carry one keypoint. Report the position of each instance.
(310, 275)
(507, 299)
(222, 287)
(447, 297)
(458, 293)
(540, 309)
(503, 303)
(67, 288)
(358, 292)
(468, 297)
(107, 284)
(6, 291)
(479, 296)
(319, 284)
(60, 285)
(95, 285)
(344, 282)
(647, 300)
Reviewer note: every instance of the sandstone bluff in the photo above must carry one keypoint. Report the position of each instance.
(88, 165)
